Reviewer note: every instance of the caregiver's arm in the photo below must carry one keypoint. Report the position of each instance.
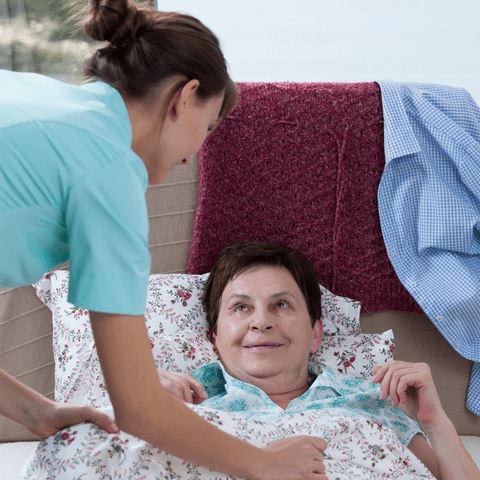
(411, 388)
(144, 409)
(41, 416)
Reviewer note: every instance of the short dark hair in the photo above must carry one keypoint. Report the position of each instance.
(240, 256)
(146, 48)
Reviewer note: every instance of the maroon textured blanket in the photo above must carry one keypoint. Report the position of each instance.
(300, 164)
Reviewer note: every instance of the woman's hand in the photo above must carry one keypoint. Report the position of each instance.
(47, 419)
(411, 389)
(182, 386)
(298, 457)
(42, 416)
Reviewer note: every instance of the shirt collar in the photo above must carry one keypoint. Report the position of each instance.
(213, 378)
(216, 380)
(219, 384)
(399, 137)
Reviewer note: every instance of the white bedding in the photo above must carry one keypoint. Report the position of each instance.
(358, 448)
(14, 455)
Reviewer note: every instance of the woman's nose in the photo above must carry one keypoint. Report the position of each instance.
(261, 321)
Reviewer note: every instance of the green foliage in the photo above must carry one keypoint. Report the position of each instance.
(41, 36)
(56, 10)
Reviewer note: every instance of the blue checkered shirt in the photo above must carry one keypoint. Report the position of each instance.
(429, 203)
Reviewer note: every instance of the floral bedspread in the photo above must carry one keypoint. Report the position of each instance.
(358, 448)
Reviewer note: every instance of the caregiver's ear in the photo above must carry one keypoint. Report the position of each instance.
(183, 99)
(317, 335)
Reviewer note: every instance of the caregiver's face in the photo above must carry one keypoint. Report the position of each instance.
(183, 135)
(264, 329)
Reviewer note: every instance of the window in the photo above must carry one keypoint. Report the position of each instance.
(36, 36)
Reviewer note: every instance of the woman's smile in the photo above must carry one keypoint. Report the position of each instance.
(262, 346)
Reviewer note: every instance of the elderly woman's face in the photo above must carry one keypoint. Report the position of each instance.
(264, 328)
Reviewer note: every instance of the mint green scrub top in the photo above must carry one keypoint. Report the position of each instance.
(72, 189)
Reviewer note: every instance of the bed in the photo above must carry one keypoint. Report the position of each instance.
(187, 229)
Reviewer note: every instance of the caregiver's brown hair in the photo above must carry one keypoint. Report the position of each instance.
(241, 256)
(146, 48)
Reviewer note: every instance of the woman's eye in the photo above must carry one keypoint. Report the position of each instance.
(240, 308)
(283, 304)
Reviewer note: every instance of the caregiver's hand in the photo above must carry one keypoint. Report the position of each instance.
(298, 457)
(42, 416)
(49, 418)
(411, 389)
(182, 386)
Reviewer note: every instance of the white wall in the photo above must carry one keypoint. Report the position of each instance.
(434, 41)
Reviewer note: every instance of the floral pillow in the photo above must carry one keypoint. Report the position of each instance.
(354, 355)
(176, 301)
(177, 329)
(340, 315)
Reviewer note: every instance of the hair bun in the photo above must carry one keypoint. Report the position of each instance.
(114, 21)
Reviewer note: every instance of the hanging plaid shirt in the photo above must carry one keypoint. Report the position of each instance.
(429, 203)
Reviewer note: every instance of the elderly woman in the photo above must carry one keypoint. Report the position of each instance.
(263, 305)
(263, 302)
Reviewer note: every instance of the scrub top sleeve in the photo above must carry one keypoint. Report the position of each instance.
(107, 223)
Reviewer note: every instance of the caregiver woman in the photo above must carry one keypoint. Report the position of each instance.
(75, 164)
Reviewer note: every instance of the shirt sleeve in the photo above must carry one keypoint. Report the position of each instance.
(107, 224)
(405, 427)
(362, 397)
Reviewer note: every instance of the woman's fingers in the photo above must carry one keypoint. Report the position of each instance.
(176, 388)
(195, 390)
(383, 376)
(184, 391)
(183, 386)
(410, 387)
(62, 415)
(398, 386)
(320, 444)
(199, 394)
(101, 419)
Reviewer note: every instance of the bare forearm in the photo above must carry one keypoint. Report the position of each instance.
(175, 428)
(453, 460)
(19, 402)
(144, 409)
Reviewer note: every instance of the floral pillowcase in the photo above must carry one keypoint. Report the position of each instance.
(177, 329)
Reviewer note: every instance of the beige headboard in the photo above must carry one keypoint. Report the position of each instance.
(26, 332)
